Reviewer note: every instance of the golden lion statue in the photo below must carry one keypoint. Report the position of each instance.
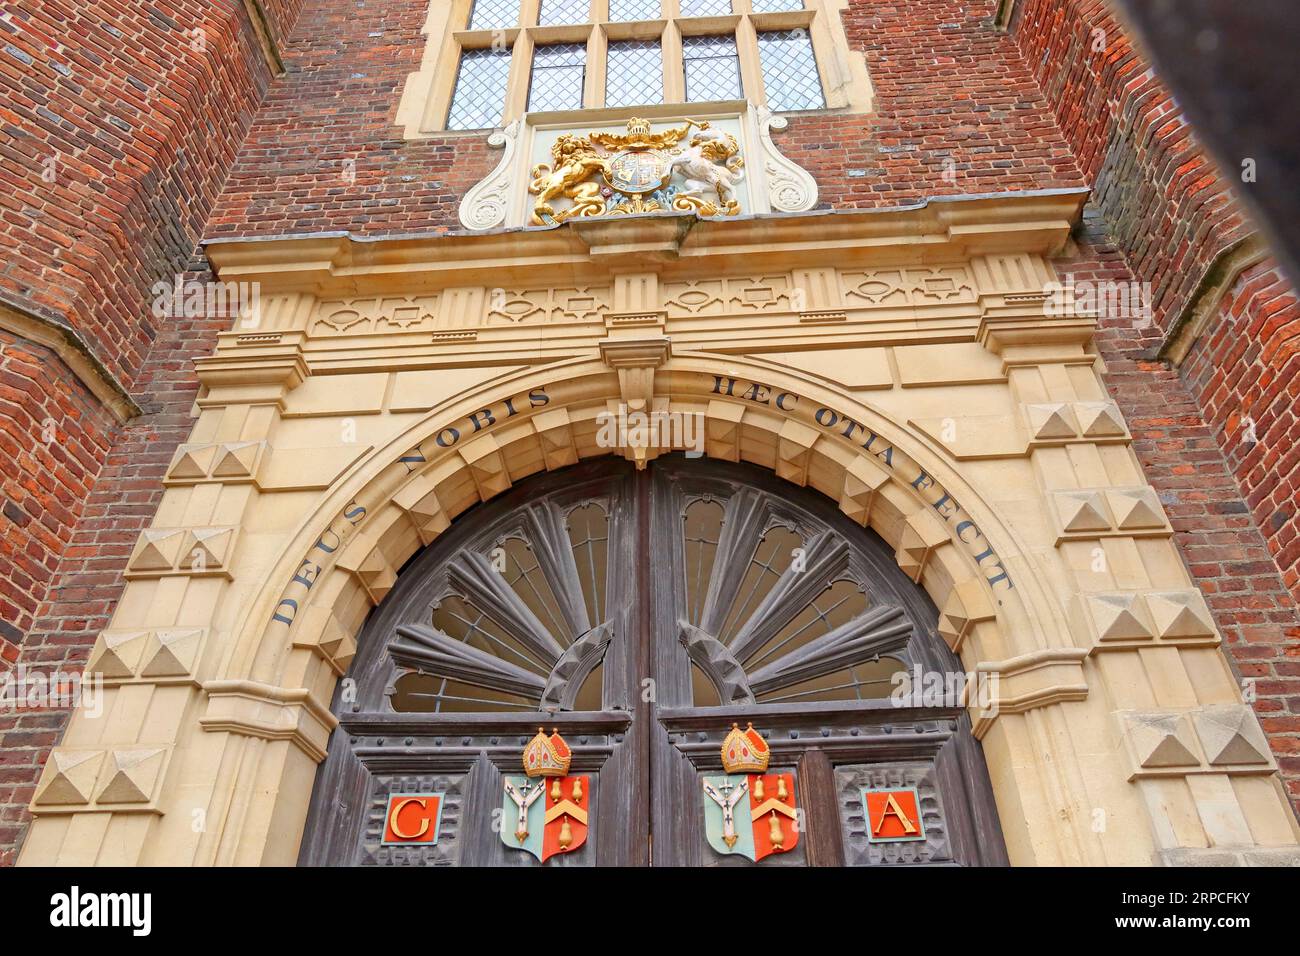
(571, 174)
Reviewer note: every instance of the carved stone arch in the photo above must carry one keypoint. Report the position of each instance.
(406, 505)
(882, 502)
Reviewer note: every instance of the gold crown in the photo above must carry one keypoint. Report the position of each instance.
(547, 756)
(638, 127)
(745, 751)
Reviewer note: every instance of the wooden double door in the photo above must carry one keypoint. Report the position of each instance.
(641, 614)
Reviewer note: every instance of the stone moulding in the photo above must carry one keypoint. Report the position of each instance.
(343, 265)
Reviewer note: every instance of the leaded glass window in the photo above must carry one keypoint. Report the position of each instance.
(556, 12)
(634, 74)
(480, 93)
(558, 73)
(790, 71)
(776, 6)
(712, 68)
(706, 8)
(623, 10)
(494, 14)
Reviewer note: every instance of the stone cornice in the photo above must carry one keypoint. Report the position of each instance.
(64, 341)
(943, 228)
(254, 709)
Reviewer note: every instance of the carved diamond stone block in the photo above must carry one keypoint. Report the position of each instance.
(192, 462)
(1231, 735)
(1180, 614)
(486, 465)
(1136, 508)
(1119, 617)
(922, 533)
(377, 575)
(132, 775)
(236, 459)
(117, 654)
(722, 430)
(1051, 421)
(862, 480)
(1100, 419)
(157, 549)
(206, 549)
(423, 507)
(1161, 740)
(967, 604)
(69, 777)
(555, 432)
(794, 450)
(173, 652)
(1082, 511)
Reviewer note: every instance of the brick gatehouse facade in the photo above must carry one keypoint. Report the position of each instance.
(136, 138)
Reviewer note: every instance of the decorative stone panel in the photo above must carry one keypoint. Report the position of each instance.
(852, 779)
(1211, 740)
(446, 852)
(124, 779)
(158, 656)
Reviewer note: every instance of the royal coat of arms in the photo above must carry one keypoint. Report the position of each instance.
(753, 814)
(545, 810)
(615, 174)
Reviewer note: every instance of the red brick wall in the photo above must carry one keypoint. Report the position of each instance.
(956, 112)
(118, 123)
(89, 580)
(1245, 373)
(1169, 213)
(960, 109)
(53, 436)
(121, 120)
(1219, 539)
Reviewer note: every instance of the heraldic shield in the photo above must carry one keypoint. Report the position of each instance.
(545, 811)
(753, 814)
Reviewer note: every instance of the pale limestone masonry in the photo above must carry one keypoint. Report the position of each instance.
(900, 362)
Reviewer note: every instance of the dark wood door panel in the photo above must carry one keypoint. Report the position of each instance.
(641, 614)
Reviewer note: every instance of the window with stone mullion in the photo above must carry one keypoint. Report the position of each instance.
(634, 74)
(712, 67)
(558, 75)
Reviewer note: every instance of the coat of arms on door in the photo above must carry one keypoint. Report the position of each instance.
(545, 811)
(749, 811)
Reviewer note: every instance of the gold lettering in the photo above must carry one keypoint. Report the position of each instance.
(892, 809)
(398, 808)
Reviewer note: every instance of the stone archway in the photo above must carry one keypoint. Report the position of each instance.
(334, 442)
(392, 506)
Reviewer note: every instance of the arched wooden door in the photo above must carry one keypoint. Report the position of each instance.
(642, 614)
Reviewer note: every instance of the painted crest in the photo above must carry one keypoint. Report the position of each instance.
(752, 814)
(691, 168)
(636, 172)
(545, 810)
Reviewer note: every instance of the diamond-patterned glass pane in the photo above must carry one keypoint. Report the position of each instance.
(776, 6)
(635, 75)
(480, 94)
(712, 69)
(555, 12)
(493, 14)
(558, 71)
(705, 8)
(623, 10)
(790, 71)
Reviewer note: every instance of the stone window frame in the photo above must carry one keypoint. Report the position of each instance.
(428, 95)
